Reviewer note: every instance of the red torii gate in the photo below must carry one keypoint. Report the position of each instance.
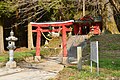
(40, 28)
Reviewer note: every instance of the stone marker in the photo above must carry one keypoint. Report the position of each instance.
(11, 46)
(79, 58)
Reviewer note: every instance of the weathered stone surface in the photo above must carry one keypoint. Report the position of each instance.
(11, 64)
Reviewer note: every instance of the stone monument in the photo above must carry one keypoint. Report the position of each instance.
(11, 46)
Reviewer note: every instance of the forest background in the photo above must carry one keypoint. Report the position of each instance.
(17, 14)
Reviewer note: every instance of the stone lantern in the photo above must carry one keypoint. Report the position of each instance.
(11, 46)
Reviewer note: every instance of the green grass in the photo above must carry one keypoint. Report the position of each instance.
(109, 54)
(109, 60)
(107, 72)
(20, 54)
(55, 42)
(46, 52)
(112, 64)
(53, 48)
(108, 42)
(3, 58)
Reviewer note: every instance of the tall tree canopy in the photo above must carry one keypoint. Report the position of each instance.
(6, 10)
(44, 10)
(21, 12)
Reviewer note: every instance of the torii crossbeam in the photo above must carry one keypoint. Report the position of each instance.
(44, 27)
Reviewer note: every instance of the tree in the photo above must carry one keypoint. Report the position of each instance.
(108, 17)
(5, 11)
(67, 9)
(116, 8)
(25, 11)
(1, 38)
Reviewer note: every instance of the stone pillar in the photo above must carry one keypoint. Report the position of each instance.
(11, 46)
(79, 58)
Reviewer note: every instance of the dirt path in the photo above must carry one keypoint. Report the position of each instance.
(39, 71)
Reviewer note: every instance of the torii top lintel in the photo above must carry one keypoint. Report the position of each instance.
(40, 29)
(55, 24)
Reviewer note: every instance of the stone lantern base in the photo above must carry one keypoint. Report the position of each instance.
(11, 64)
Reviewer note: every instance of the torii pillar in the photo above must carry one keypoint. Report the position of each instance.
(38, 42)
(40, 29)
(64, 45)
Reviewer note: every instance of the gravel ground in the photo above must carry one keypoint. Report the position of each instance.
(39, 71)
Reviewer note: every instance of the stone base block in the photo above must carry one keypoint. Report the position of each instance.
(11, 64)
(65, 60)
(37, 58)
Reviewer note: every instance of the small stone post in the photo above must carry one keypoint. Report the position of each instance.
(11, 46)
(79, 57)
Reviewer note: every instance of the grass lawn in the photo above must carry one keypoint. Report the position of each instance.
(109, 59)
(18, 56)
(21, 53)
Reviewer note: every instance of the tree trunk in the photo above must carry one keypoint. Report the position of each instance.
(1, 38)
(116, 5)
(110, 21)
(30, 37)
(108, 18)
